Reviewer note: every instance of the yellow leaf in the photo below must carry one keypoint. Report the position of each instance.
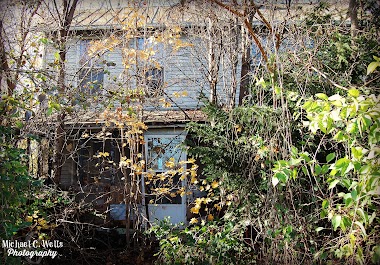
(169, 164)
(238, 128)
(194, 180)
(194, 210)
(207, 200)
(210, 217)
(214, 184)
(193, 220)
(184, 93)
(217, 206)
(198, 201)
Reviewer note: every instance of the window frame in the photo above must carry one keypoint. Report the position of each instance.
(182, 157)
(153, 87)
(88, 66)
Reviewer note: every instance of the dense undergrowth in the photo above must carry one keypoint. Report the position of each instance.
(297, 165)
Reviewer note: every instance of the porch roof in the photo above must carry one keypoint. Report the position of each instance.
(149, 117)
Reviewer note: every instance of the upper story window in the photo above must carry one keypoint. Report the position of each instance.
(91, 71)
(152, 72)
(154, 78)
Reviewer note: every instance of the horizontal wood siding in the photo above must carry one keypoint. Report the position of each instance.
(184, 70)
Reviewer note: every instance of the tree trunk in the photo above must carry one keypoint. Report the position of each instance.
(68, 14)
(214, 53)
(353, 14)
(245, 67)
(234, 60)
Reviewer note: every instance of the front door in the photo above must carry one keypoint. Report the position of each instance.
(162, 147)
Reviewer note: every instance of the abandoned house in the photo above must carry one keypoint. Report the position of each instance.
(126, 78)
(166, 60)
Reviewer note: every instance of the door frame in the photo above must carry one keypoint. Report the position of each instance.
(179, 209)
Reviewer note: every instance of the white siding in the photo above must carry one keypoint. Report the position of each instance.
(184, 70)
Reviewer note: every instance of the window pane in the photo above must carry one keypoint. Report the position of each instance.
(154, 82)
(161, 149)
(91, 80)
(85, 59)
(91, 74)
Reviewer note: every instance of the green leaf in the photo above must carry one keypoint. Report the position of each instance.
(339, 136)
(318, 169)
(325, 204)
(357, 152)
(361, 227)
(57, 57)
(49, 111)
(321, 96)
(333, 184)
(304, 170)
(323, 214)
(362, 215)
(352, 127)
(19, 124)
(336, 221)
(330, 157)
(348, 168)
(277, 90)
(281, 176)
(367, 120)
(342, 164)
(354, 92)
(44, 41)
(348, 202)
(376, 254)
(325, 169)
(354, 194)
(319, 229)
(372, 67)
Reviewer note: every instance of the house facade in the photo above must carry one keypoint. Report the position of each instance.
(121, 79)
(140, 60)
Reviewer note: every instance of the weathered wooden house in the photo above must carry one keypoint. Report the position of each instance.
(116, 63)
(114, 51)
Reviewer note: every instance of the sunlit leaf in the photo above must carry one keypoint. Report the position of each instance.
(336, 221)
(333, 184)
(372, 67)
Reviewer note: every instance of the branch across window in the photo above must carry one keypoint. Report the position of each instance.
(91, 71)
(160, 149)
(154, 79)
(91, 80)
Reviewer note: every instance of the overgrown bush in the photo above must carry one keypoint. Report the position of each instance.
(297, 166)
